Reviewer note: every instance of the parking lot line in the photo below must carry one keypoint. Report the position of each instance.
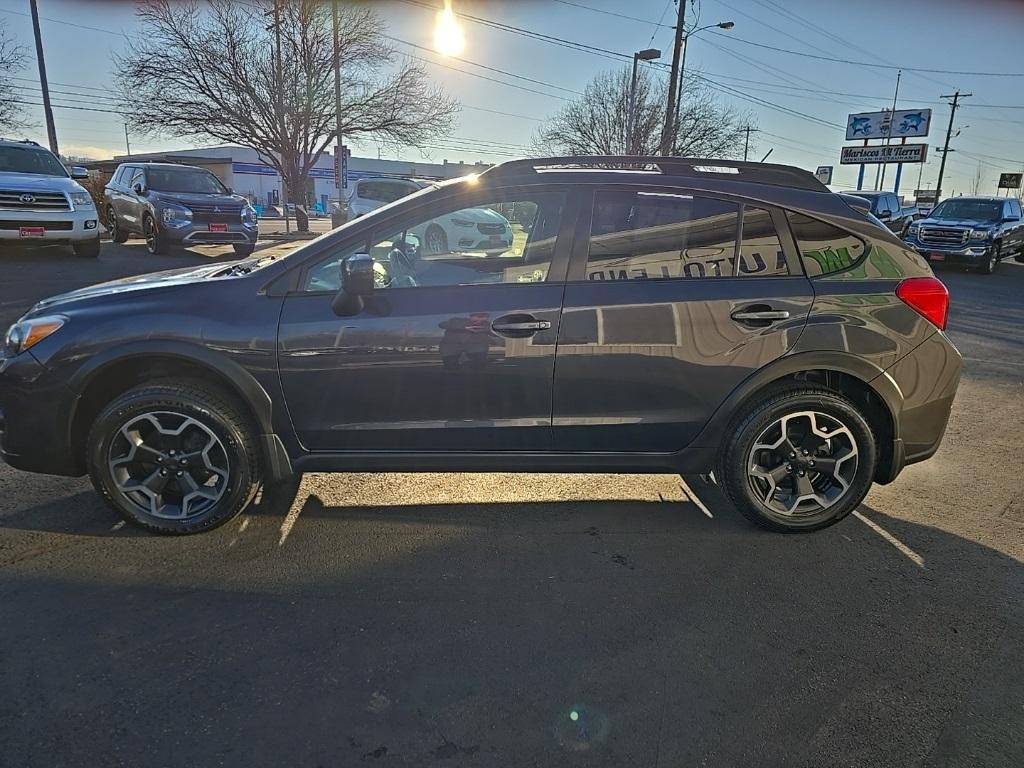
(903, 548)
(693, 497)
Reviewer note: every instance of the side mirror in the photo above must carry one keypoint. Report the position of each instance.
(78, 172)
(138, 189)
(884, 215)
(357, 282)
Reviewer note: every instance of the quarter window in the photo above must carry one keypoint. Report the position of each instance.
(657, 236)
(824, 249)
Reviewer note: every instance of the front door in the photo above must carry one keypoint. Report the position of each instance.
(454, 351)
(674, 299)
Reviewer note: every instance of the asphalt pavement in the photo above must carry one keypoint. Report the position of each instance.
(528, 620)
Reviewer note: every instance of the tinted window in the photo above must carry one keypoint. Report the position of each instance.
(652, 236)
(824, 248)
(119, 175)
(383, 191)
(497, 242)
(965, 208)
(28, 159)
(185, 180)
(1015, 208)
(138, 177)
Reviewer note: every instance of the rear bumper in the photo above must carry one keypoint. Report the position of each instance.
(33, 437)
(928, 379)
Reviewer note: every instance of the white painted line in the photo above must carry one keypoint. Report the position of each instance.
(693, 497)
(244, 525)
(117, 526)
(289, 521)
(903, 548)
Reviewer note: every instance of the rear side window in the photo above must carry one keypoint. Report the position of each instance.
(824, 248)
(658, 236)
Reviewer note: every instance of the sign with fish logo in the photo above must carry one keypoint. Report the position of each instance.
(903, 123)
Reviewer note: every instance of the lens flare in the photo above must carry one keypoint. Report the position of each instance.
(448, 37)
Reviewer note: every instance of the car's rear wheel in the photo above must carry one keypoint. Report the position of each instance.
(436, 240)
(244, 249)
(87, 249)
(799, 459)
(156, 243)
(174, 458)
(117, 233)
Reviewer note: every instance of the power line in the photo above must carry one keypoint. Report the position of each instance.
(613, 13)
(65, 23)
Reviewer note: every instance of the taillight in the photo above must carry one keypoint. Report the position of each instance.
(928, 297)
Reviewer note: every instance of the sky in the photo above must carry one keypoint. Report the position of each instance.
(798, 101)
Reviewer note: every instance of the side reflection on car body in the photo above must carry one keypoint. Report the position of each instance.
(672, 315)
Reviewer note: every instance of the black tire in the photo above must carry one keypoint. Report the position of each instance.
(156, 243)
(117, 233)
(990, 264)
(760, 415)
(235, 451)
(440, 244)
(243, 249)
(87, 249)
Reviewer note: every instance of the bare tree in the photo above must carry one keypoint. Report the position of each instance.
(209, 72)
(12, 59)
(598, 122)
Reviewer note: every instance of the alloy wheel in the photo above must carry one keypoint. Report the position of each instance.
(169, 465)
(149, 229)
(802, 463)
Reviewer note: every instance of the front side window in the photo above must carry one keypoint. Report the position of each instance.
(824, 248)
(187, 180)
(32, 160)
(491, 242)
(657, 236)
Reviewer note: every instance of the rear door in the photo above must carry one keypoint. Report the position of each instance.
(674, 298)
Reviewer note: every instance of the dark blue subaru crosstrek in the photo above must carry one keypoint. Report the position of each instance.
(647, 315)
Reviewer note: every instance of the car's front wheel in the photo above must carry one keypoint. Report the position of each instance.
(117, 233)
(174, 457)
(799, 459)
(991, 260)
(156, 243)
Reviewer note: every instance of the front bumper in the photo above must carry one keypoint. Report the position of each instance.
(200, 233)
(34, 424)
(49, 227)
(973, 253)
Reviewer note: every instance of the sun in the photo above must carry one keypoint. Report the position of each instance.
(448, 37)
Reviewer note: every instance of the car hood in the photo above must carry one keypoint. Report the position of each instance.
(480, 216)
(166, 279)
(227, 202)
(31, 182)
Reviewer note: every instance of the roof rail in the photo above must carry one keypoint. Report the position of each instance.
(759, 173)
(21, 141)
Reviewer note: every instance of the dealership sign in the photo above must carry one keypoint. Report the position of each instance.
(881, 153)
(903, 123)
(824, 174)
(926, 195)
(1010, 180)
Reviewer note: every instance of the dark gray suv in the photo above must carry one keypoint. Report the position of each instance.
(171, 204)
(648, 315)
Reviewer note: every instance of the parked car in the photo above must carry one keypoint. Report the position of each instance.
(668, 316)
(471, 229)
(974, 231)
(887, 208)
(371, 193)
(41, 203)
(170, 204)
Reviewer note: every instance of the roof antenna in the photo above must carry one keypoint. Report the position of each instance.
(767, 153)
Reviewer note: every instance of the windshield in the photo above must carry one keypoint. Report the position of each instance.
(975, 210)
(185, 180)
(30, 160)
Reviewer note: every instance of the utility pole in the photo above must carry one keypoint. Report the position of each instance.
(51, 130)
(746, 142)
(949, 134)
(126, 142)
(888, 133)
(339, 152)
(279, 105)
(673, 81)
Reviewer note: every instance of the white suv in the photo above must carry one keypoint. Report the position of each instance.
(371, 193)
(41, 203)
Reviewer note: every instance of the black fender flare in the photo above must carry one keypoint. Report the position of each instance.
(713, 434)
(238, 379)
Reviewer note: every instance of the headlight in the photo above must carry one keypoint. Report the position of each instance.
(82, 200)
(914, 228)
(248, 214)
(981, 234)
(462, 222)
(177, 214)
(25, 334)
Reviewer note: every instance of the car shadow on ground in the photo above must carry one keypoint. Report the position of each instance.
(562, 633)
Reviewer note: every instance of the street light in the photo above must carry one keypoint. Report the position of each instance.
(648, 54)
(685, 37)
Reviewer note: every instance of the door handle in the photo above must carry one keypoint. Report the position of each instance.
(771, 315)
(533, 325)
